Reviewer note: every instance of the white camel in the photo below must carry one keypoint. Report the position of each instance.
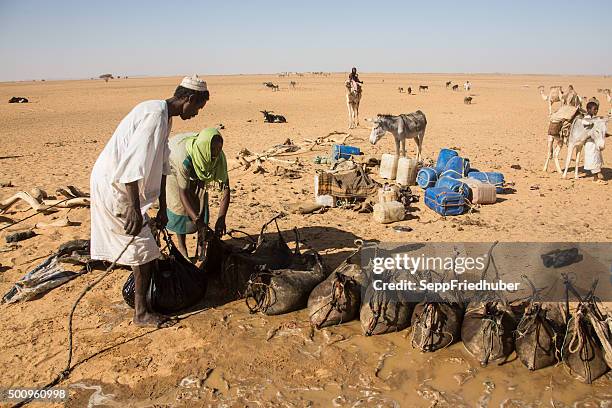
(353, 97)
(554, 95)
(579, 134)
(558, 132)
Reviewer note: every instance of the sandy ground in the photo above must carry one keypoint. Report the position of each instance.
(56, 138)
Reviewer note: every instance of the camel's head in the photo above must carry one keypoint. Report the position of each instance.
(378, 129)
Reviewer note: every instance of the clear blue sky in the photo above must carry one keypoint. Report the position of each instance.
(81, 39)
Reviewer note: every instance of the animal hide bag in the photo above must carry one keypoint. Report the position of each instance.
(176, 283)
(385, 311)
(278, 291)
(582, 351)
(436, 325)
(336, 300)
(274, 290)
(539, 335)
(229, 268)
(487, 331)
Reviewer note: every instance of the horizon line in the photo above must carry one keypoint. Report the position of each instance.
(304, 72)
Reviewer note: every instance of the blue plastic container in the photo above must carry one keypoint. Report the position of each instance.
(456, 167)
(344, 152)
(443, 157)
(455, 185)
(427, 177)
(444, 201)
(491, 177)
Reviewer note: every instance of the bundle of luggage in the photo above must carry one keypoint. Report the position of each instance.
(451, 186)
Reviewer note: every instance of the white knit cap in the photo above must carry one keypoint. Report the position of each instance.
(194, 83)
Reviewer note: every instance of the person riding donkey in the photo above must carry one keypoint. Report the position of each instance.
(196, 161)
(127, 178)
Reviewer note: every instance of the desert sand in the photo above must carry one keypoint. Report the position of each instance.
(251, 360)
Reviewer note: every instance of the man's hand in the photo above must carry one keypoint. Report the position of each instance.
(220, 226)
(162, 218)
(133, 221)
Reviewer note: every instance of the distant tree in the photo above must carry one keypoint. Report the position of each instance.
(106, 77)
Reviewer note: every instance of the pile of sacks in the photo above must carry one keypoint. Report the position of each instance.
(491, 328)
(452, 185)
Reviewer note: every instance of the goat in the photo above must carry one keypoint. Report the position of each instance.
(269, 117)
(400, 89)
(423, 88)
(455, 87)
(467, 100)
(448, 84)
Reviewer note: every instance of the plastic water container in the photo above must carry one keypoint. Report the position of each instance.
(444, 201)
(456, 185)
(456, 167)
(388, 166)
(491, 177)
(344, 152)
(387, 193)
(443, 157)
(482, 193)
(324, 200)
(406, 171)
(427, 177)
(391, 211)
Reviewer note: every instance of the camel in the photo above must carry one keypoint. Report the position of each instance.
(402, 127)
(579, 134)
(558, 134)
(571, 97)
(554, 95)
(353, 97)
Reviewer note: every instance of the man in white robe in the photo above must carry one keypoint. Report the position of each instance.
(593, 159)
(129, 175)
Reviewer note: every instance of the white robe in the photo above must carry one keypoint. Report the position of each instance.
(137, 151)
(593, 159)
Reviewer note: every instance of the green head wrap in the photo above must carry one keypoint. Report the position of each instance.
(199, 149)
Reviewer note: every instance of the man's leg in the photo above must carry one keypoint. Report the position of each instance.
(143, 316)
(182, 245)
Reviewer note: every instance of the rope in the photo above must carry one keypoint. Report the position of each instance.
(66, 372)
(36, 213)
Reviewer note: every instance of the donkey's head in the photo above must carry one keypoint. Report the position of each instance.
(379, 128)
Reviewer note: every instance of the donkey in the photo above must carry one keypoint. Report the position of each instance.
(402, 127)
(579, 134)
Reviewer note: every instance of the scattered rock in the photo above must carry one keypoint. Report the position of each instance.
(20, 236)
(516, 167)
